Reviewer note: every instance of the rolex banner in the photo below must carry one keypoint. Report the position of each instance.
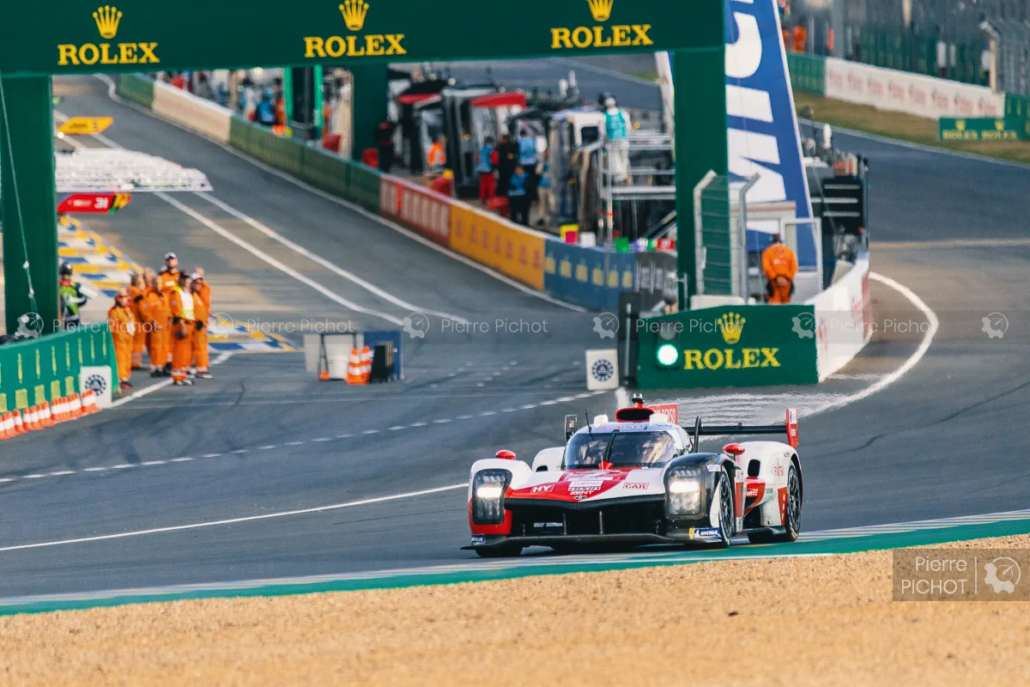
(745, 345)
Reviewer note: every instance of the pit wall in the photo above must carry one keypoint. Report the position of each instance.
(760, 345)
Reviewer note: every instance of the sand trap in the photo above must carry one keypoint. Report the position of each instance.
(815, 621)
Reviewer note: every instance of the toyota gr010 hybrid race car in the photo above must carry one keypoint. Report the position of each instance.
(639, 480)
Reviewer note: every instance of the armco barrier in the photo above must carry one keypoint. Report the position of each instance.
(427, 212)
(590, 277)
(745, 345)
(194, 113)
(498, 243)
(136, 88)
(45, 369)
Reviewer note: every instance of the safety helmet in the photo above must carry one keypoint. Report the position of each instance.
(66, 269)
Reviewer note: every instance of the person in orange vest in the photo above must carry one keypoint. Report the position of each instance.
(202, 310)
(780, 266)
(139, 340)
(184, 323)
(800, 36)
(437, 157)
(123, 328)
(156, 315)
(169, 279)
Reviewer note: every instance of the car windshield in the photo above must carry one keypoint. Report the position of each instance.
(622, 449)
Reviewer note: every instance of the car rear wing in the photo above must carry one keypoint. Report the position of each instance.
(789, 427)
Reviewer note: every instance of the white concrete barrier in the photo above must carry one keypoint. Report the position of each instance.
(843, 319)
(182, 107)
(914, 94)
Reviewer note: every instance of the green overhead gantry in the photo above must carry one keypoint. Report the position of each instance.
(38, 40)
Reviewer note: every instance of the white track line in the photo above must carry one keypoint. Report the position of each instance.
(260, 254)
(372, 288)
(234, 521)
(162, 384)
(111, 88)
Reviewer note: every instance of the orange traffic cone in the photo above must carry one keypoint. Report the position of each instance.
(89, 402)
(60, 410)
(19, 424)
(75, 407)
(6, 426)
(366, 365)
(354, 367)
(32, 419)
(46, 417)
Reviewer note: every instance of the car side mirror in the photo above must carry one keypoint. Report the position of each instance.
(571, 425)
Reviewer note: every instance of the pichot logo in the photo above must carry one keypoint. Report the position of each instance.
(107, 19)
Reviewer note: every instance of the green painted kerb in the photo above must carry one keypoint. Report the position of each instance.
(876, 542)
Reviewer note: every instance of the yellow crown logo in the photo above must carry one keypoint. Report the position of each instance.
(999, 124)
(960, 125)
(107, 19)
(731, 325)
(354, 12)
(601, 9)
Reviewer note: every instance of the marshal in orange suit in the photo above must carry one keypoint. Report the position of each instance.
(123, 328)
(780, 267)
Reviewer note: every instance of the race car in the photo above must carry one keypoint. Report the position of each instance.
(639, 480)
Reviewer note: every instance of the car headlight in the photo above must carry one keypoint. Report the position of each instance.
(683, 492)
(488, 488)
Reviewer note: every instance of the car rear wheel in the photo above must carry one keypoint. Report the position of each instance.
(793, 524)
(502, 551)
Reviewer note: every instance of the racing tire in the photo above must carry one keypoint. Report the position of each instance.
(503, 551)
(793, 525)
(726, 518)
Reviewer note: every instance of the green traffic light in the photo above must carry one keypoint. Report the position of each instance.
(668, 354)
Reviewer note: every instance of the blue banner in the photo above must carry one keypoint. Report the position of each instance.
(591, 277)
(763, 131)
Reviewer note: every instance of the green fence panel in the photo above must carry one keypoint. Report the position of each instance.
(745, 345)
(44, 369)
(137, 88)
(1017, 114)
(715, 237)
(807, 73)
(364, 183)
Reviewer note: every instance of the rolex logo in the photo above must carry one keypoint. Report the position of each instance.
(731, 325)
(107, 19)
(354, 12)
(960, 125)
(601, 9)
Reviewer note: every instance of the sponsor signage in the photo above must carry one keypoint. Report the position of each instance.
(977, 129)
(728, 346)
(762, 124)
(136, 35)
(93, 203)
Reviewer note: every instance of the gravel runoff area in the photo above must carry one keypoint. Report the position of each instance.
(821, 620)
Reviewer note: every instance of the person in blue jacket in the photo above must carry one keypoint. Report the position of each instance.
(265, 111)
(518, 196)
